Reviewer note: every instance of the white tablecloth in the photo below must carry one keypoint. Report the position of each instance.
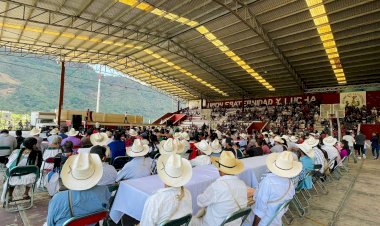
(132, 194)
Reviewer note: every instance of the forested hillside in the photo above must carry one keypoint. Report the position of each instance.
(32, 84)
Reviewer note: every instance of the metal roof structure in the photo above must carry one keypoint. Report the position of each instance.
(207, 48)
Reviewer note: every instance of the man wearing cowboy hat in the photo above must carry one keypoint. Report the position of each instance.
(224, 196)
(329, 146)
(109, 172)
(36, 134)
(319, 157)
(173, 201)
(7, 140)
(276, 188)
(306, 157)
(72, 136)
(53, 134)
(79, 174)
(204, 157)
(139, 166)
(278, 145)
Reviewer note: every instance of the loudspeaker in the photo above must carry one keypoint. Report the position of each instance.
(76, 121)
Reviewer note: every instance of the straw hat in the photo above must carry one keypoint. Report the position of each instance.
(312, 141)
(170, 146)
(215, 146)
(227, 163)
(99, 139)
(54, 131)
(82, 171)
(243, 136)
(271, 134)
(174, 170)
(285, 137)
(329, 141)
(278, 139)
(307, 149)
(177, 135)
(72, 133)
(34, 131)
(293, 139)
(138, 149)
(204, 147)
(283, 165)
(133, 132)
(185, 136)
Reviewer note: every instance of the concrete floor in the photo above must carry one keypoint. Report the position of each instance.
(352, 200)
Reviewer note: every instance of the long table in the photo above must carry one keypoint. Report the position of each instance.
(132, 194)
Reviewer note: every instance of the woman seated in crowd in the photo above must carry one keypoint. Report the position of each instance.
(53, 149)
(28, 155)
(306, 157)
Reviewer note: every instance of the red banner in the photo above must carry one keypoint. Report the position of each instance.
(327, 98)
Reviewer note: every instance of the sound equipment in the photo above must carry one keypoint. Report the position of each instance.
(76, 121)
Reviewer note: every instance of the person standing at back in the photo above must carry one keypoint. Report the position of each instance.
(375, 145)
(359, 144)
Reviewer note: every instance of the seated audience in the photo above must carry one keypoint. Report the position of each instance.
(53, 134)
(117, 147)
(278, 145)
(204, 152)
(36, 134)
(329, 146)
(345, 149)
(173, 201)
(71, 136)
(255, 150)
(52, 150)
(224, 196)
(80, 174)
(109, 172)
(306, 157)
(139, 166)
(276, 188)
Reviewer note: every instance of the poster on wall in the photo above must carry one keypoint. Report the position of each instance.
(353, 99)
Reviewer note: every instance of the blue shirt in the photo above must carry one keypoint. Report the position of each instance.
(136, 168)
(270, 189)
(84, 202)
(307, 165)
(117, 148)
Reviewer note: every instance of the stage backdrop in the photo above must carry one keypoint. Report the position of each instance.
(355, 99)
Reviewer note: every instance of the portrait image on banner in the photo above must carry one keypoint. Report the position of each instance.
(353, 99)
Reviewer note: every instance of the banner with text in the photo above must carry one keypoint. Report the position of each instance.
(329, 98)
(354, 99)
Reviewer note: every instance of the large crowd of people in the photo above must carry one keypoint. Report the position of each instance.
(171, 153)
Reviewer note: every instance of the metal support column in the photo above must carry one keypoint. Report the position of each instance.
(61, 92)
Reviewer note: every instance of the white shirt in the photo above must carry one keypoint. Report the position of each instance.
(350, 139)
(219, 198)
(136, 168)
(270, 189)
(277, 148)
(332, 152)
(48, 153)
(164, 205)
(109, 175)
(7, 140)
(292, 146)
(200, 160)
(51, 138)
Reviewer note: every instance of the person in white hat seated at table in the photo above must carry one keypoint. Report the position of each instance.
(224, 196)
(109, 172)
(171, 146)
(139, 166)
(35, 133)
(204, 152)
(278, 145)
(53, 134)
(319, 157)
(80, 174)
(306, 157)
(329, 146)
(72, 136)
(216, 148)
(276, 188)
(173, 201)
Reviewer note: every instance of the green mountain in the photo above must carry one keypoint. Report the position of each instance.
(32, 84)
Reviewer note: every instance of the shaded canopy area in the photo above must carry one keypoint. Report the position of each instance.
(210, 49)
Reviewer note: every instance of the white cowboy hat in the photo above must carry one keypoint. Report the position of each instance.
(145, 141)
(174, 170)
(312, 141)
(186, 145)
(243, 136)
(177, 135)
(138, 149)
(329, 141)
(215, 146)
(54, 131)
(34, 131)
(170, 146)
(72, 133)
(185, 136)
(271, 133)
(285, 137)
(204, 147)
(264, 133)
(99, 139)
(132, 133)
(227, 163)
(278, 139)
(82, 171)
(307, 149)
(283, 165)
(293, 139)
